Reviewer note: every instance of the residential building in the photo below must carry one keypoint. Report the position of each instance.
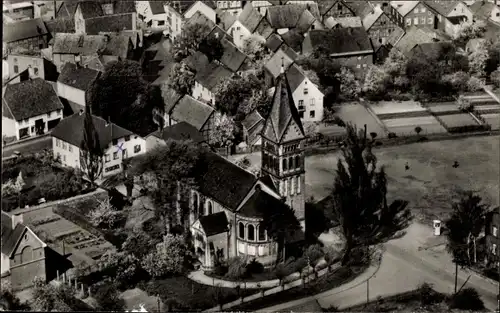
(262, 6)
(37, 65)
(245, 25)
(334, 9)
(60, 25)
(484, 11)
(153, 13)
(273, 67)
(28, 34)
(116, 142)
(175, 20)
(92, 17)
(23, 253)
(170, 99)
(17, 11)
(283, 18)
(206, 79)
(74, 84)
(415, 13)
(492, 235)
(206, 8)
(360, 8)
(252, 126)
(274, 42)
(227, 208)
(413, 37)
(196, 113)
(450, 14)
(344, 22)
(234, 7)
(307, 96)
(30, 108)
(179, 131)
(351, 46)
(66, 9)
(46, 10)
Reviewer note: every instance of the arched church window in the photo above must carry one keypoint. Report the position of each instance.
(297, 161)
(251, 232)
(285, 165)
(241, 230)
(290, 161)
(262, 233)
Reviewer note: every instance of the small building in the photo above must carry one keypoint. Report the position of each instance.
(334, 9)
(491, 231)
(23, 253)
(116, 142)
(206, 79)
(414, 13)
(74, 84)
(179, 131)
(32, 61)
(28, 34)
(306, 95)
(413, 37)
(245, 25)
(92, 17)
(350, 46)
(14, 11)
(152, 13)
(484, 11)
(233, 7)
(252, 127)
(450, 14)
(283, 18)
(30, 108)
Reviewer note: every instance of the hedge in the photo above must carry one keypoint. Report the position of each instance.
(468, 128)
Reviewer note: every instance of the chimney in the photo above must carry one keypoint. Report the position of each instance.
(17, 219)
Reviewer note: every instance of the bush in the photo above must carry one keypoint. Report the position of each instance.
(495, 78)
(220, 270)
(237, 268)
(474, 84)
(378, 143)
(108, 298)
(255, 267)
(465, 105)
(392, 135)
(167, 258)
(468, 128)
(427, 295)
(467, 299)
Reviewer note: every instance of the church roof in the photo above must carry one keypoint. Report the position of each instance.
(214, 224)
(258, 202)
(283, 111)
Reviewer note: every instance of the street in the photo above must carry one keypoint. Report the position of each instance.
(29, 146)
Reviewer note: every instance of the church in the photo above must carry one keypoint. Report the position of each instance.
(226, 209)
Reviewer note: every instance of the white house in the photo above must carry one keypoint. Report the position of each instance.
(234, 7)
(117, 143)
(245, 25)
(30, 108)
(74, 83)
(175, 21)
(37, 65)
(203, 7)
(206, 80)
(153, 13)
(306, 95)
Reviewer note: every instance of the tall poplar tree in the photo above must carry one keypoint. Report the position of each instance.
(91, 153)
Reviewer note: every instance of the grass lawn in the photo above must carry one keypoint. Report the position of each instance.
(358, 114)
(385, 107)
(457, 120)
(406, 126)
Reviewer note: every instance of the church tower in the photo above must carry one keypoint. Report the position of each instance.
(283, 143)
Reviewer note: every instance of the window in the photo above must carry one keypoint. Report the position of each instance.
(422, 10)
(422, 20)
(285, 165)
(312, 114)
(301, 102)
(251, 233)
(241, 37)
(292, 186)
(107, 158)
(124, 154)
(161, 23)
(312, 101)
(35, 71)
(137, 148)
(306, 91)
(127, 138)
(415, 21)
(359, 58)
(64, 145)
(298, 185)
(58, 143)
(115, 155)
(15, 60)
(262, 233)
(498, 14)
(241, 232)
(115, 142)
(70, 148)
(196, 202)
(495, 231)
(238, 28)
(209, 208)
(430, 21)
(112, 168)
(291, 163)
(16, 69)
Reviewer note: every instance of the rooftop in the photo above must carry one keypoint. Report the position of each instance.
(252, 119)
(10, 237)
(250, 17)
(274, 64)
(192, 111)
(214, 224)
(482, 9)
(341, 40)
(404, 7)
(284, 16)
(211, 75)
(179, 131)
(77, 77)
(108, 23)
(23, 30)
(413, 37)
(65, 43)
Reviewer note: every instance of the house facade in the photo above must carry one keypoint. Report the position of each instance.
(203, 8)
(23, 253)
(117, 143)
(492, 238)
(38, 66)
(92, 17)
(18, 11)
(27, 34)
(233, 7)
(74, 83)
(306, 95)
(335, 9)
(484, 11)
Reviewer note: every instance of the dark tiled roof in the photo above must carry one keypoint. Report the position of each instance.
(325, 6)
(413, 37)
(67, 9)
(252, 119)
(196, 61)
(108, 23)
(224, 181)
(117, 45)
(274, 64)
(289, 52)
(90, 9)
(284, 16)
(432, 49)
(77, 77)
(305, 21)
(482, 9)
(31, 98)
(157, 7)
(170, 98)
(192, 111)
(314, 9)
(341, 40)
(360, 7)
(214, 224)
(250, 17)
(199, 18)
(232, 58)
(295, 77)
(226, 19)
(211, 75)
(60, 25)
(293, 39)
(10, 237)
(124, 7)
(94, 62)
(78, 44)
(274, 42)
(71, 131)
(283, 109)
(442, 7)
(268, 181)
(264, 28)
(23, 30)
(258, 202)
(179, 131)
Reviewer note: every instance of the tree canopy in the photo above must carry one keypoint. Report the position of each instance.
(195, 37)
(181, 79)
(91, 153)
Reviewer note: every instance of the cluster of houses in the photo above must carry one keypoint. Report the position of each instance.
(56, 50)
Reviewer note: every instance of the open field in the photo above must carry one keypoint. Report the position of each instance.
(387, 107)
(457, 120)
(358, 114)
(443, 107)
(431, 182)
(429, 125)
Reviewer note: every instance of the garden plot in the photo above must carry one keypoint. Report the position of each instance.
(492, 119)
(458, 120)
(406, 126)
(443, 108)
(487, 108)
(391, 107)
(58, 228)
(359, 115)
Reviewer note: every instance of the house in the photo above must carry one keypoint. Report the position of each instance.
(170, 99)
(179, 131)
(66, 9)
(175, 19)
(46, 10)
(17, 11)
(92, 17)
(245, 25)
(227, 209)
(30, 108)
(283, 18)
(279, 60)
(206, 79)
(413, 37)
(252, 126)
(334, 9)
(206, 8)
(262, 6)
(484, 11)
(29, 34)
(116, 143)
(74, 83)
(415, 13)
(35, 62)
(23, 253)
(345, 22)
(492, 238)
(360, 8)
(234, 7)
(274, 42)
(351, 46)
(450, 14)
(196, 113)
(152, 13)
(306, 95)
(232, 58)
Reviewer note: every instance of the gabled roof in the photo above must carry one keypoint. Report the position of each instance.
(360, 7)
(117, 45)
(482, 9)
(170, 98)
(10, 237)
(60, 25)
(78, 44)
(274, 42)
(250, 17)
(258, 202)
(341, 40)
(372, 17)
(109, 23)
(404, 7)
(192, 111)
(199, 18)
(232, 58)
(226, 19)
(325, 6)
(90, 9)
(351, 21)
(295, 77)
(71, 130)
(77, 77)
(66, 8)
(224, 181)
(274, 64)
(293, 39)
(433, 49)
(94, 62)
(305, 21)
(283, 110)
(284, 16)
(264, 28)
(31, 98)
(23, 30)
(196, 61)
(442, 7)
(214, 224)
(179, 131)
(413, 37)
(289, 52)
(252, 119)
(156, 7)
(211, 75)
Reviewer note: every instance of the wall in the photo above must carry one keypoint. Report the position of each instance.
(396, 16)
(314, 94)
(200, 92)
(256, 247)
(153, 142)
(358, 63)
(174, 20)
(239, 33)
(9, 127)
(24, 271)
(490, 239)
(22, 62)
(71, 93)
(202, 8)
(30, 122)
(420, 16)
(234, 7)
(60, 59)
(79, 21)
(143, 8)
(382, 29)
(67, 153)
(339, 9)
(5, 264)
(206, 130)
(461, 10)
(158, 19)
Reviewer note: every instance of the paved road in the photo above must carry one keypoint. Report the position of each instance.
(33, 145)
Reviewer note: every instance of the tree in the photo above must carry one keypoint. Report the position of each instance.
(122, 267)
(467, 299)
(349, 85)
(223, 130)
(165, 172)
(280, 272)
(189, 41)
(464, 227)
(260, 100)
(458, 80)
(467, 31)
(212, 48)
(376, 81)
(232, 93)
(358, 198)
(495, 77)
(395, 64)
(494, 57)
(48, 298)
(464, 104)
(91, 152)
(474, 84)
(327, 71)
(254, 46)
(139, 243)
(181, 79)
(418, 130)
(313, 255)
(237, 268)
(330, 255)
(105, 215)
(168, 257)
(108, 298)
(478, 59)
(9, 302)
